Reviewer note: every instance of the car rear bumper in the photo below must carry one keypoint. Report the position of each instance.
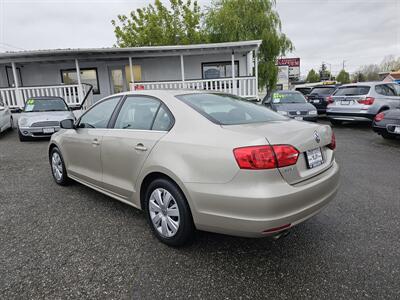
(386, 128)
(253, 211)
(350, 116)
(37, 132)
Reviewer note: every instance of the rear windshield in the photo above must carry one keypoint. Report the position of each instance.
(304, 91)
(352, 91)
(323, 90)
(287, 97)
(47, 104)
(228, 109)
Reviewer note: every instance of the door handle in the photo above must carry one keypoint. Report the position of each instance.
(140, 147)
(95, 142)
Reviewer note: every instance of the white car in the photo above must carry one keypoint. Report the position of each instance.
(6, 119)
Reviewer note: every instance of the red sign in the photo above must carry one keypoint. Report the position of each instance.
(291, 62)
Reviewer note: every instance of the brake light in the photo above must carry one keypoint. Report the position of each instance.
(367, 101)
(379, 117)
(329, 99)
(265, 157)
(332, 145)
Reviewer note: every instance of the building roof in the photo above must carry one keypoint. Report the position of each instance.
(148, 51)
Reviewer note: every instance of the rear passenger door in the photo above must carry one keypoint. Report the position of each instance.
(141, 122)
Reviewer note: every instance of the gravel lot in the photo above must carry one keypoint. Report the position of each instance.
(74, 243)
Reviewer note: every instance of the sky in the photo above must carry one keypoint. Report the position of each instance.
(354, 31)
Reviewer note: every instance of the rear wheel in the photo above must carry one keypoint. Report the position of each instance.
(58, 167)
(336, 122)
(168, 213)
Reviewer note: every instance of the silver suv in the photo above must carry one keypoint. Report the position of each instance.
(362, 101)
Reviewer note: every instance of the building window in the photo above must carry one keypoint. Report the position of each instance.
(88, 76)
(216, 70)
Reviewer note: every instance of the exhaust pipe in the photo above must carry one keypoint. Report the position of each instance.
(280, 235)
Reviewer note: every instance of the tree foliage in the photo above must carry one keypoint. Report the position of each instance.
(343, 77)
(240, 20)
(223, 21)
(312, 76)
(156, 25)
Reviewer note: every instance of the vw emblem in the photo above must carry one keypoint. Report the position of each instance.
(317, 137)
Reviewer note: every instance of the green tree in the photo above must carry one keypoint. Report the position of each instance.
(158, 25)
(343, 77)
(240, 20)
(312, 76)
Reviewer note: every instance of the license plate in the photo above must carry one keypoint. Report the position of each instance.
(298, 118)
(314, 158)
(316, 101)
(345, 102)
(397, 129)
(48, 130)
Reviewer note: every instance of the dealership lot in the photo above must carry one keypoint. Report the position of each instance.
(72, 242)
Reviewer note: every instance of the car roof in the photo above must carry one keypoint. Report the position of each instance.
(366, 83)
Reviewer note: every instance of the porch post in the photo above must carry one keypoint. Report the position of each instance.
(78, 76)
(234, 88)
(132, 75)
(182, 71)
(256, 71)
(18, 95)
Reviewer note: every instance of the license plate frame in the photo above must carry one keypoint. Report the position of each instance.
(314, 158)
(48, 130)
(316, 101)
(298, 118)
(345, 102)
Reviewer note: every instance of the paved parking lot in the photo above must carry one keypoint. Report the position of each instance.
(72, 242)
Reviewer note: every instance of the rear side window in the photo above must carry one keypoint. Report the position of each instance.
(352, 91)
(386, 90)
(225, 109)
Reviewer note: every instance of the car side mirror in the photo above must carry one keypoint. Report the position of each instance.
(67, 124)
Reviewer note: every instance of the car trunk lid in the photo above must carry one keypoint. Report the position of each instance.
(303, 136)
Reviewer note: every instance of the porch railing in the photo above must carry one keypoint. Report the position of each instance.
(241, 86)
(75, 95)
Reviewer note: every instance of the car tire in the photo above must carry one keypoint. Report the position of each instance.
(172, 224)
(388, 136)
(22, 138)
(57, 166)
(11, 123)
(336, 122)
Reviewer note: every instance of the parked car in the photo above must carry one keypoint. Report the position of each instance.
(41, 117)
(362, 101)
(291, 104)
(387, 124)
(304, 90)
(320, 97)
(199, 160)
(6, 119)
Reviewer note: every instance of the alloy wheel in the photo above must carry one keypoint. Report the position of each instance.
(56, 165)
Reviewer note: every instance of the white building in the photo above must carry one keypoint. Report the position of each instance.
(82, 76)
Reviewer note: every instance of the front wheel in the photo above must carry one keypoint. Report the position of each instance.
(11, 123)
(336, 122)
(58, 167)
(388, 136)
(168, 213)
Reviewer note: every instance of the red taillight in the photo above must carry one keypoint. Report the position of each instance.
(379, 117)
(266, 157)
(329, 99)
(367, 101)
(277, 228)
(332, 145)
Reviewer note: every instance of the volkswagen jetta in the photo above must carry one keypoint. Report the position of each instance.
(199, 160)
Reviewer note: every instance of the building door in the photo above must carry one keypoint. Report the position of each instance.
(10, 76)
(120, 77)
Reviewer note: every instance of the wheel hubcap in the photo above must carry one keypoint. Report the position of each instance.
(56, 165)
(164, 212)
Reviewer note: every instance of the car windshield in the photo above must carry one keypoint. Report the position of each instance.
(47, 104)
(287, 97)
(323, 90)
(352, 91)
(228, 109)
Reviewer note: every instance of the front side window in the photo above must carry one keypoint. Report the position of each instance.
(99, 115)
(47, 104)
(137, 112)
(352, 91)
(226, 109)
(88, 76)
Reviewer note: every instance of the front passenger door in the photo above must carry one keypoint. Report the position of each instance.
(140, 124)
